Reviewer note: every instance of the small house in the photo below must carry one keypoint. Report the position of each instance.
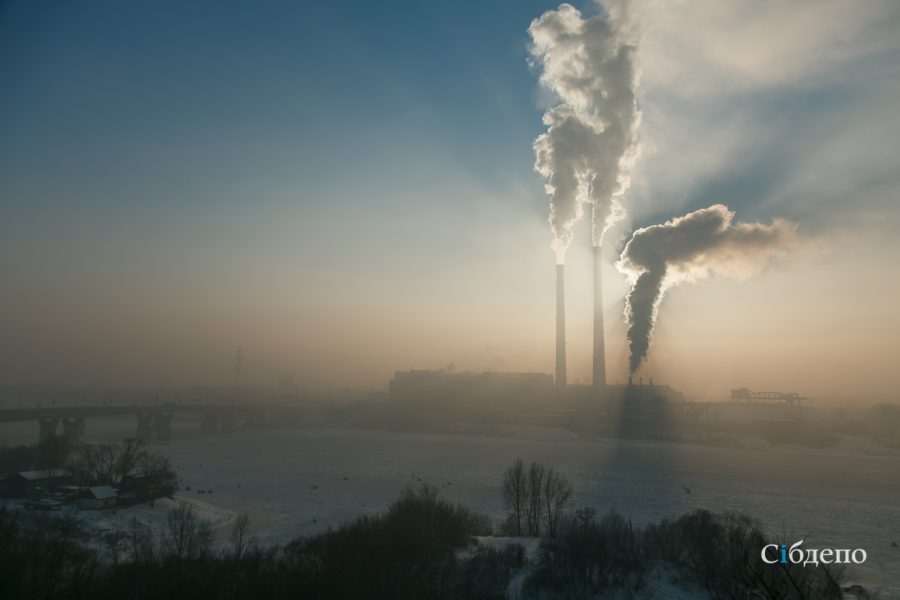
(25, 483)
(98, 498)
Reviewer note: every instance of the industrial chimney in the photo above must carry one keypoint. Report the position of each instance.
(599, 344)
(560, 326)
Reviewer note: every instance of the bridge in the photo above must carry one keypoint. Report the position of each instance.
(153, 421)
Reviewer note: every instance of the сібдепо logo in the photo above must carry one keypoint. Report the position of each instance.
(780, 554)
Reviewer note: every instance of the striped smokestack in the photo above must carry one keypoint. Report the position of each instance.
(599, 344)
(560, 326)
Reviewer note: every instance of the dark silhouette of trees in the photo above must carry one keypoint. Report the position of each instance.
(535, 499)
(420, 547)
(108, 463)
(515, 496)
(52, 452)
(409, 552)
(44, 557)
(721, 553)
(556, 495)
(535, 506)
(241, 536)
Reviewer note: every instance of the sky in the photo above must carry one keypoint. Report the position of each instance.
(347, 189)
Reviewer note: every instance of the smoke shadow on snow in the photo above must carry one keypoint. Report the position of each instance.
(639, 467)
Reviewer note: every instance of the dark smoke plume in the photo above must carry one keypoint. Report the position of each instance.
(688, 248)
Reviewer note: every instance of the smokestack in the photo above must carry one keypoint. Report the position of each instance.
(599, 344)
(560, 326)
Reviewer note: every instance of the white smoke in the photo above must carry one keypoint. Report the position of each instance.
(691, 247)
(591, 139)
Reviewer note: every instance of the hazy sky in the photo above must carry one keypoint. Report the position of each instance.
(346, 189)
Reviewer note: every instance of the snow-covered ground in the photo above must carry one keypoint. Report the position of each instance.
(299, 481)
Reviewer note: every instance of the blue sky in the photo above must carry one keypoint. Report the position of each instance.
(112, 95)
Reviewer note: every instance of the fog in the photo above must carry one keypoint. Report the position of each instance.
(820, 323)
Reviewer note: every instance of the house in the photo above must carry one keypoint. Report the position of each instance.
(145, 487)
(25, 483)
(98, 498)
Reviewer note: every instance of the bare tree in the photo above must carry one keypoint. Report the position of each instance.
(515, 496)
(131, 454)
(85, 463)
(140, 541)
(556, 496)
(107, 457)
(150, 462)
(114, 546)
(241, 536)
(186, 536)
(534, 514)
(109, 463)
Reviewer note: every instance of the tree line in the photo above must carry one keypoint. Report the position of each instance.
(104, 463)
(421, 546)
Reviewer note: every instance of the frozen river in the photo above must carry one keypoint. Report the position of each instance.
(298, 481)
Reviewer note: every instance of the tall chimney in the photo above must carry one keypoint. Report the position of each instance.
(599, 345)
(560, 326)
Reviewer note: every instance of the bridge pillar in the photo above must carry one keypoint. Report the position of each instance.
(48, 428)
(210, 422)
(144, 426)
(162, 425)
(73, 429)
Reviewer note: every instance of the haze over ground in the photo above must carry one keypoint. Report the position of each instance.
(346, 191)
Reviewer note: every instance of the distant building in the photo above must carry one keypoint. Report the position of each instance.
(23, 484)
(98, 498)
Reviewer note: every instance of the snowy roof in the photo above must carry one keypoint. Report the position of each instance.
(102, 492)
(38, 475)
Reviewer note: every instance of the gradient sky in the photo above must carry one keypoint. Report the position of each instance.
(346, 189)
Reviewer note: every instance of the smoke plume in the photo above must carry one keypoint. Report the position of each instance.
(688, 248)
(590, 145)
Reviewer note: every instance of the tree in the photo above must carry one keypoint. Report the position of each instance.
(130, 455)
(534, 513)
(187, 540)
(108, 463)
(140, 542)
(186, 536)
(515, 496)
(52, 452)
(556, 496)
(241, 536)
